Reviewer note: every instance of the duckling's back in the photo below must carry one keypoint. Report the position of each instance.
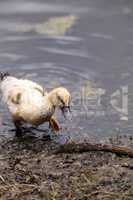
(10, 84)
(24, 98)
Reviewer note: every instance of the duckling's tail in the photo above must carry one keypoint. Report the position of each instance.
(3, 75)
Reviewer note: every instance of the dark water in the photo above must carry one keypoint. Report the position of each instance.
(97, 52)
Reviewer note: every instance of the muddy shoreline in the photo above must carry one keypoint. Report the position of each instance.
(29, 170)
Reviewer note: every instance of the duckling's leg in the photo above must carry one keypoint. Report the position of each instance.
(17, 124)
(54, 124)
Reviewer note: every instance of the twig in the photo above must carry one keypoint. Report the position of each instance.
(84, 147)
(3, 180)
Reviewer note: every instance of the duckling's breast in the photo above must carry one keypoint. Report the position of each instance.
(33, 108)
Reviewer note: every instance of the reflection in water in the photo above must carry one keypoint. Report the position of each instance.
(54, 26)
(92, 58)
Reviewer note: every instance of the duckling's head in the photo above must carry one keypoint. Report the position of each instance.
(60, 98)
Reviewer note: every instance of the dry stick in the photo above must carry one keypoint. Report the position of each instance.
(84, 147)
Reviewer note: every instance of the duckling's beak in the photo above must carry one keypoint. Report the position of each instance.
(66, 111)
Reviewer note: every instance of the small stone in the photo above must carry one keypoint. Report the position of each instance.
(55, 175)
(125, 165)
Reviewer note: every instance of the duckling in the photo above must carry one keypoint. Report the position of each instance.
(28, 102)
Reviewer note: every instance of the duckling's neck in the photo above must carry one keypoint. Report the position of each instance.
(49, 108)
(52, 98)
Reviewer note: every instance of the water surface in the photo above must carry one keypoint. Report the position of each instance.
(96, 52)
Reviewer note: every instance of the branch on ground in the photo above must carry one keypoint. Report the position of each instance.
(84, 147)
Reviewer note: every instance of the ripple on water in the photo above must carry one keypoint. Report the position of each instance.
(38, 7)
(64, 60)
(71, 52)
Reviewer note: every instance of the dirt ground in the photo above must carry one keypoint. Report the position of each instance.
(30, 170)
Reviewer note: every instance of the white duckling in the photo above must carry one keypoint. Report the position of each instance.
(28, 102)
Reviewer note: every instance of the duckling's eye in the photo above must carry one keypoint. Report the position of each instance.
(61, 100)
